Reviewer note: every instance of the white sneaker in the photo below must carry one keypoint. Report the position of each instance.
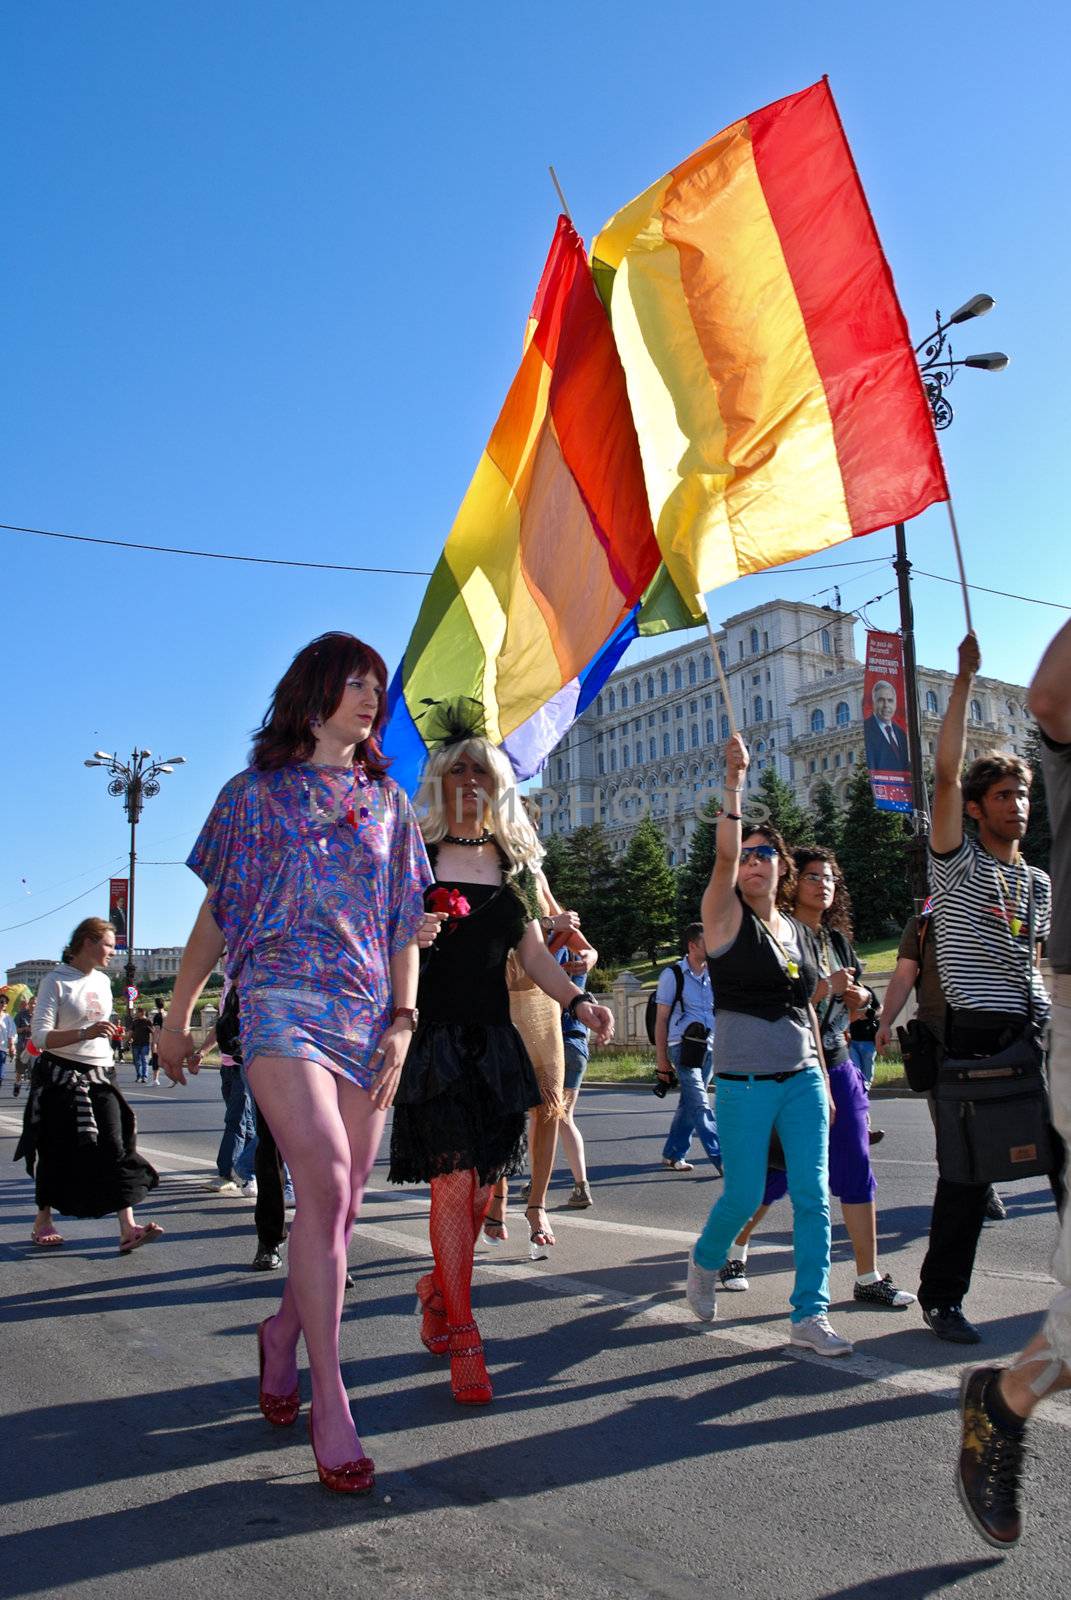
(815, 1333)
(701, 1290)
(734, 1276)
(677, 1166)
(248, 1190)
(221, 1185)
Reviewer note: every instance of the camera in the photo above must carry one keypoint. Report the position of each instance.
(662, 1086)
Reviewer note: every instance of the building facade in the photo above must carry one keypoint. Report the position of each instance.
(149, 965)
(652, 742)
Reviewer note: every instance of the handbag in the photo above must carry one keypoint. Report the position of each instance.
(921, 1054)
(992, 1112)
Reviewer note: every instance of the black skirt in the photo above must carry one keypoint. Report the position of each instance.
(462, 1103)
(76, 1179)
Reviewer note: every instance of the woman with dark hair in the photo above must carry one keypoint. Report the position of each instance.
(820, 902)
(315, 873)
(78, 1132)
(768, 1063)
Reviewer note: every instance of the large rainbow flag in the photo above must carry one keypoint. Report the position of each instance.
(534, 597)
(772, 381)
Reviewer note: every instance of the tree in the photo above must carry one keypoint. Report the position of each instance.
(694, 875)
(785, 812)
(648, 893)
(827, 819)
(557, 868)
(1037, 841)
(588, 883)
(873, 859)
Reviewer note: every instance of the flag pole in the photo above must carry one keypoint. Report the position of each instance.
(718, 667)
(959, 562)
(561, 197)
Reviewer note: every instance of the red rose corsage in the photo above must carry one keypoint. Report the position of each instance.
(450, 903)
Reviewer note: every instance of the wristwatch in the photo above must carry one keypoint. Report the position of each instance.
(410, 1013)
(577, 1000)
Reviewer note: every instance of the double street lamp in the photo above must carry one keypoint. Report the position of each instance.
(135, 781)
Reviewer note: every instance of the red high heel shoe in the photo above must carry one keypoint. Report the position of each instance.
(280, 1409)
(468, 1375)
(352, 1477)
(433, 1334)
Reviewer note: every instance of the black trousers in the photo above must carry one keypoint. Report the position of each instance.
(270, 1212)
(959, 1208)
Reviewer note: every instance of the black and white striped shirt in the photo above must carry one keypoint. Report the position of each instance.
(980, 917)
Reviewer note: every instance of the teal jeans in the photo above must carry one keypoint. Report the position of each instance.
(747, 1114)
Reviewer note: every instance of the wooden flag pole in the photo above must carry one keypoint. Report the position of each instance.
(719, 669)
(959, 562)
(561, 197)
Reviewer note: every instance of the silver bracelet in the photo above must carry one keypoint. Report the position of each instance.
(181, 1032)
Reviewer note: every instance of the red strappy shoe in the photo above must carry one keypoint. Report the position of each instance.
(433, 1334)
(352, 1477)
(468, 1375)
(281, 1410)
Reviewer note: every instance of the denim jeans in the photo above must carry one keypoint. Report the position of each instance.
(141, 1063)
(748, 1112)
(238, 1146)
(862, 1053)
(693, 1113)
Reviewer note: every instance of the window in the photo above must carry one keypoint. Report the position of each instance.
(692, 674)
(851, 758)
(665, 744)
(598, 706)
(724, 726)
(825, 763)
(722, 657)
(693, 707)
(678, 677)
(769, 710)
(765, 640)
(650, 686)
(665, 713)
(814, 766)
(650, 719)
(931, 701)
(680, 739)
(818, 721)
(664, 681)
(836, 759)
(613, 701)
(639, 752)
(636, 692)
(626, 757)
(602, 764)
(710, 730)
(756, 679)
(844, 713)
(678, 712)
(708, 702)
(652, 749)
(740, 649)
(613, 760)
(624, 696)
(827, 643)
(758, 708)
(708, 670)
(976, 711)
(695, 736)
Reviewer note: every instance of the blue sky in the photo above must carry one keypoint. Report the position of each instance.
(267, 271)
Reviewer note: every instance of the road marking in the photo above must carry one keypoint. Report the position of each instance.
(913, 1380)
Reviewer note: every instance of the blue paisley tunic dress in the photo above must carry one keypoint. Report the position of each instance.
(316, 877)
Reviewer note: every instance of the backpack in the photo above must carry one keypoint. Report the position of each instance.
(651, 1014)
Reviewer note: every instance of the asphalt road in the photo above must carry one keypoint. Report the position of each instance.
(628, 1452)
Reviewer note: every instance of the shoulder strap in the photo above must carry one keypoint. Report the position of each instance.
(1032, 942)
(678, 972)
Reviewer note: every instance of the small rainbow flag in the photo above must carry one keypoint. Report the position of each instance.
(534, 597)
(775, 392)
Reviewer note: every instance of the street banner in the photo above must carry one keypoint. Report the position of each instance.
(131, 993)
(117, 909)
(885, 723)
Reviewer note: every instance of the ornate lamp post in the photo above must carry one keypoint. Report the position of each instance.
(136, 781)
(937, 368)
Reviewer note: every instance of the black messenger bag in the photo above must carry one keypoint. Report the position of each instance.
(992, 1113)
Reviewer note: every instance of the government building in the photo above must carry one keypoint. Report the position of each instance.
(652, 741)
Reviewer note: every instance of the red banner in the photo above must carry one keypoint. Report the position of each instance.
(117, 909)
(885, 722)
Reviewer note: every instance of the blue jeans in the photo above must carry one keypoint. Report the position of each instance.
(693, 1113)
(862, 1053)
(238, 1146)
(747, 1114)
(141, 1063)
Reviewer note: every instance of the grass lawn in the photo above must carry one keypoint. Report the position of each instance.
(637, 1066)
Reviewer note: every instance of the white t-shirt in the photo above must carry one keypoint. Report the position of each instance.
(70, 999)
(8, 1032)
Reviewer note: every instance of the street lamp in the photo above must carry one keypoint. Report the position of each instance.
(136, 782)
(937, 369)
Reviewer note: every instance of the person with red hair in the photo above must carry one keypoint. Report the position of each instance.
(315, 873)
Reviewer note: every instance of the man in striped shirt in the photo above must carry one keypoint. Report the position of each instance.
(987, 964)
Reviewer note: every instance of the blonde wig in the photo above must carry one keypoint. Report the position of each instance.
(508, 819)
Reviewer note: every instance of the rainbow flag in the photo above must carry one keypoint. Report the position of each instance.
(773, 385)
(552, 548)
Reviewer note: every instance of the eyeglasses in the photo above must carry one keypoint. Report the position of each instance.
(758, 852)
(819, 877)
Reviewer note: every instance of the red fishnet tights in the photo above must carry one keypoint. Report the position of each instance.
(458, 1205)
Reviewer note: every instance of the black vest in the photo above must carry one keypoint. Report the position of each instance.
(749, 977)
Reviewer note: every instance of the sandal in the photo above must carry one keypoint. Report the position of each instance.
(540, 1237)
(140, 1236)
(433, 1334)
(46, 1240)
(468, 1374)
(495, 1227)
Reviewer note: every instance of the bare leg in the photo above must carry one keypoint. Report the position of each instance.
(127, 1226)
(1015, 1382)
(43, 1223)
(861, 1222)
(544, 1148)
(745, 1233)
(303, 1105)
(572, 1139)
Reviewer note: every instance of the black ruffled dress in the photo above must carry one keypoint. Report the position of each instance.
(467, 1085)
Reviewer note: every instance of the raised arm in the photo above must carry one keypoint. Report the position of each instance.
(947, 832)
(720, 908)
(1050, 692)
